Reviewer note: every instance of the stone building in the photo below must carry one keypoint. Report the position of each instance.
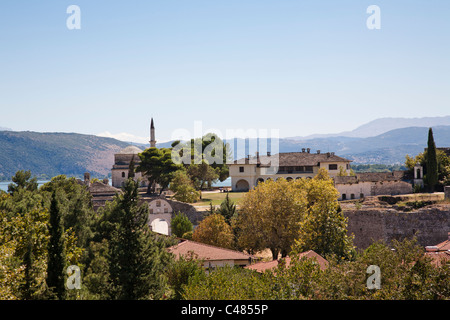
(123, 159)
(248, 172)
(121, 167)
(373, 184)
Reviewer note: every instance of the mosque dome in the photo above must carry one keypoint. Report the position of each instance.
(130, 150)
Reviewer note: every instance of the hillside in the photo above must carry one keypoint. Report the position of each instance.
(387, 148)
(51, 154)
(383, 125)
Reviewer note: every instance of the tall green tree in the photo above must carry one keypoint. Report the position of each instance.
(158, 166)
(22, 180)
(75, 205)
(180, 224)
(227, 209)
(432, 163)
(56, 255)
(135, 259)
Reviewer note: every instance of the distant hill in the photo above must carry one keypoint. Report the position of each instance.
(387, 148)
(383, 125)
(72, 154)
(51, 154)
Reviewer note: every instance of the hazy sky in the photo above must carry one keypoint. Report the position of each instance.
(302, 67)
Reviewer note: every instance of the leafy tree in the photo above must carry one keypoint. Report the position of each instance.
(215, 231)
(22, 180)
(180, 224)
(324, 228)
(207, 160)
(75, 205)
(56, 255)
(158, 166)
(270, 216)
(181, 271)
(202, 175)
(182, 186)
(432, 164)
(227, 209)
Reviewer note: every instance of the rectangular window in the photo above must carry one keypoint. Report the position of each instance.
(241, 169)
(308, 169)
(166, 210)
(158, 203)
(332, 167)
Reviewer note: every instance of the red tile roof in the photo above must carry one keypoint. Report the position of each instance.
(263, 266)
(207, 252)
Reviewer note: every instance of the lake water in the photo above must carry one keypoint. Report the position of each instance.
(4, 184)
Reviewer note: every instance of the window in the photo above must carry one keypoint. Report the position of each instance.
(123, 174)
(241, 169)
(166, 210)
(158, 203)
(344, 196)
(308, 169)
(361, 195)
(352, 196)
(332, 167)
(151, 211)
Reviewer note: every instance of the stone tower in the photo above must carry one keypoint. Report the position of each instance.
(152, 135)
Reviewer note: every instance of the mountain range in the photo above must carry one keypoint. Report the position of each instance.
(383, 125)
(73, 154)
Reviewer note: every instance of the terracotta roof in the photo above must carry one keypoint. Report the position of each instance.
(263, 266)
(207, 252)
(101, 188)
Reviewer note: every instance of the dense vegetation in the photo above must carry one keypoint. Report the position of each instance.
(45, 230)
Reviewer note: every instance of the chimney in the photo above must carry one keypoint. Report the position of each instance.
(87, 178)
(257, 156)
(268, 153)
(303, 149)
(318, 151)
(308, 150)
(328, 154)
(332, 153)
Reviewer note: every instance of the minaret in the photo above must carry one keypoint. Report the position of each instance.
(152, 135)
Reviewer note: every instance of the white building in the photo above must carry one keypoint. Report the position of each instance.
(248, 172)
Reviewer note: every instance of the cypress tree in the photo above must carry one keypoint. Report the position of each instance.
(56, 256)
(432, 164)
(135, 263)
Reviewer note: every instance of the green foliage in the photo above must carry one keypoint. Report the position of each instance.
(215, 231)
(183, 188)
(22, 180)
(405, 274)
(227, 209)
(180, 272)
(158, 166)
(180, 225)
(56, 255)
(208, 159)
(135, 258)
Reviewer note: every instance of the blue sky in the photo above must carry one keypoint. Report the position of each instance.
(302, 67)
